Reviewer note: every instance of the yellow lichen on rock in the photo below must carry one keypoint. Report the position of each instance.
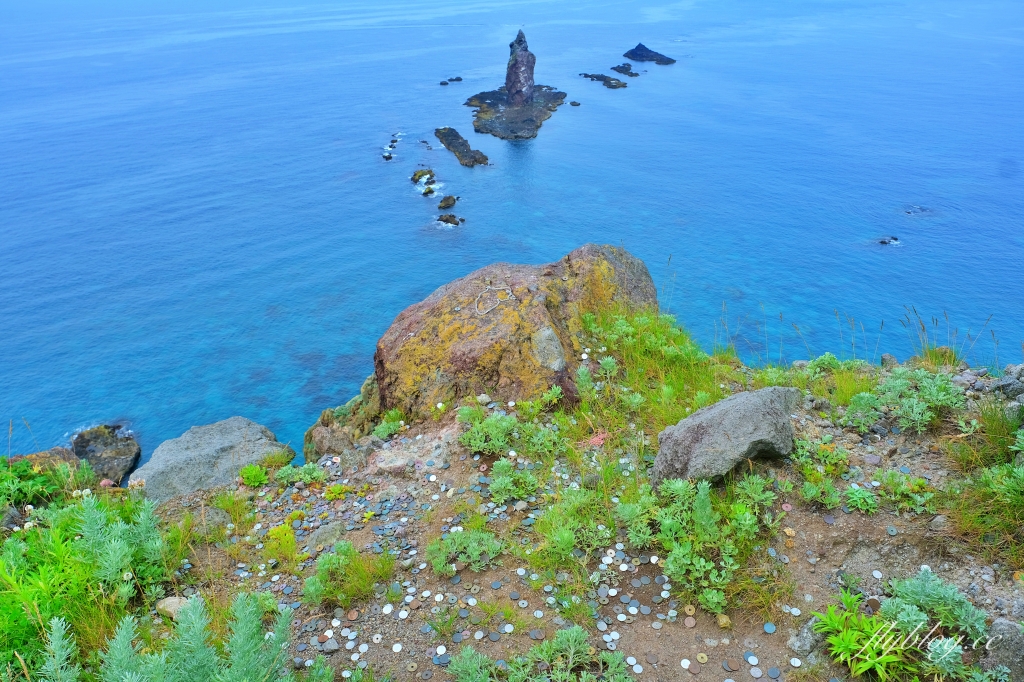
(508, 330)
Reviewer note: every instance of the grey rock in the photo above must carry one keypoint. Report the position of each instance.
(1012, 409)
(939, 523)
(331, 440)
(326, 536)
(110, 454)
(330, 646)
(10, 519)
(519, 74)
(806, 640)
(209, 519)
(1006, 648)
(889, 361)
(204, 457)
(1011, 384)
(800, 364)
(483, 398)
(714, 439)
(547, 348)
(170, 606)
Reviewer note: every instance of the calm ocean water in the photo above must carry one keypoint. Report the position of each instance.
(196, 222)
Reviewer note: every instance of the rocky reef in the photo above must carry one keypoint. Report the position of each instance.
(516, 110)
(457, 144)
(607, 81)
(642, 53)
(626, 70)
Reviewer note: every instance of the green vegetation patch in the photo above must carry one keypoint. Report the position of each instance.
(475, 548)
(344, 576)
(708, 536)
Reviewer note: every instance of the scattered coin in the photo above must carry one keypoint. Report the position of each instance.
(702, 658)
(652, 658)
(690, 622)
(689, 609)
(756, 673)
(877, 575)
(774, 673)
(769, 628)
(795, 662)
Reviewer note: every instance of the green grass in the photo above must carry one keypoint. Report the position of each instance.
(987, 511)
(344, 575)
(277, 459)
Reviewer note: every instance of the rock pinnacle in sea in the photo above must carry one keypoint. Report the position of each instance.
(519, 75)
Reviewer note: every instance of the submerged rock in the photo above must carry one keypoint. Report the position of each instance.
(642, 53)
(110, 454)
(608, 81)
(447, 202)
(516, 110)
(508, 330)
(519, 73)
(426, 174)
(457, 144)
(714, 439)
(205, 457)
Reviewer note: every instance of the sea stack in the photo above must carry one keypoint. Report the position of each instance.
(517, 110)
(519, 75)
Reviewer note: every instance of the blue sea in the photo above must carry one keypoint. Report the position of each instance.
(196, 220)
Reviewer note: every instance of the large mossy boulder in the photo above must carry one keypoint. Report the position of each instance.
(205, 457)
(714, 439)
(111, 453)
(511, 331)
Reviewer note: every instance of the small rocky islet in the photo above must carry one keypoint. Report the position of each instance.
(397, 470)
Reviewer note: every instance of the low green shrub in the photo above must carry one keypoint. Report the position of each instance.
(390, 424)
(579, 521)
(253, 475)
(476, 548)
(189, 655)
(918, 397)
(307, 473)
(707, 536)
(511, 483)
(899, 643)
(88, 562)
(567, 657)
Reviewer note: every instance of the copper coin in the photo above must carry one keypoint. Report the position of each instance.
(734, 665)
(690, 622)
(694, 668)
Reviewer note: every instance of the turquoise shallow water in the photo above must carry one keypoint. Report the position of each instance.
(196, 222)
